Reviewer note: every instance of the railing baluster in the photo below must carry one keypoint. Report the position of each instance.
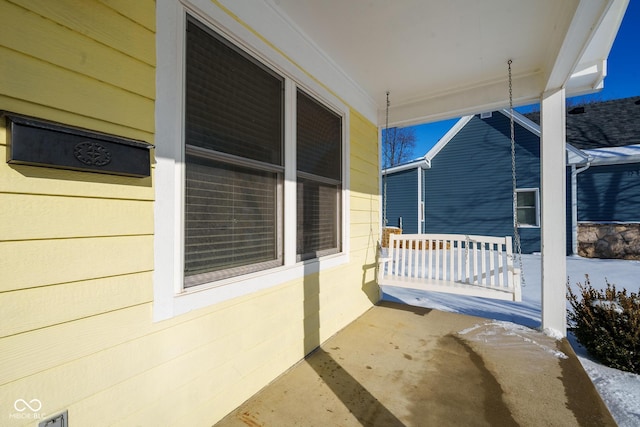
(424, 253)
(492, 266)
(437, 256)
(430, 259)
(452, 259)
(500, 266)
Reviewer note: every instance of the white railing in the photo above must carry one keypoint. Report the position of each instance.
(454, 263)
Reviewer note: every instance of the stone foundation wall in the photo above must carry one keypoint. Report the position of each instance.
(621, 241)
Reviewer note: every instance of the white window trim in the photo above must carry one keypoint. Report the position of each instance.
(537, 192)
(170, 298)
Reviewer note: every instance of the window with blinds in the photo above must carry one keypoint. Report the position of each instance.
(234, 113)
(319, 179)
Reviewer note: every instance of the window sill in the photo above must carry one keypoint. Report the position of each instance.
(175, 304)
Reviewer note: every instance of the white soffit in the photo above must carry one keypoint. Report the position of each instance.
(444, 59)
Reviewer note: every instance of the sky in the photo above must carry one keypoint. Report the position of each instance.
(622, 80)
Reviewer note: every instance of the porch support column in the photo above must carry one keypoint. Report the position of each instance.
(553, 211)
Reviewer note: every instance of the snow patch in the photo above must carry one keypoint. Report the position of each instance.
(550, 332)
(492, 331)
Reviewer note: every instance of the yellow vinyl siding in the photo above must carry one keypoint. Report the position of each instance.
(25, 219)
(48, 41)
(76, 248)
(69, 118)
(72, 301)
(31, 263)
(137, 11)
(25, 78)
(100, 23)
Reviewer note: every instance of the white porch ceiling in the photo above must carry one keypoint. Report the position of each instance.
(442, 59)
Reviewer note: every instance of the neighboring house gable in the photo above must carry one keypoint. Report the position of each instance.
(468, 189)
(467, 183)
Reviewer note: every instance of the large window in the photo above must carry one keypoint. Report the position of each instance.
(527, 207)
(250, 160)
(319, 178)
(235, 165)
(234, 161)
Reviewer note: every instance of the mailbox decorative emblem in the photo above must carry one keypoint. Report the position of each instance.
(92, 154)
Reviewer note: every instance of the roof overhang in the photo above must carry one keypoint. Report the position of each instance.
(421, 163)
(443, 59)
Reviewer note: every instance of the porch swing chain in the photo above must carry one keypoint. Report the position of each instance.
(384, 155)
(516, 225)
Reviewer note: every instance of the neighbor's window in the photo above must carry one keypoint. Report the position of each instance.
(527, 207)
(233, 160)
(319, 179)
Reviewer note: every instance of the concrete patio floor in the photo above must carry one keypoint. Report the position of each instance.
(399, 365)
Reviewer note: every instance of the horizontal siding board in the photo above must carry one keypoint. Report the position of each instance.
(364, 217)
(609, 193)
(42, 111)
(21, 355)
(140, 11)
(364, 184)
(469, 186)
(99, 22)
(33, 263)
(364, 202)
(196, 396)
(73, 51)
(47, 217)
(29, 79)
(124, 360)
(402, 199)
(48, 181)
(72, 301)
(160, 352)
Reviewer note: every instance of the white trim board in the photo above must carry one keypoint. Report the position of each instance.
(170, 296)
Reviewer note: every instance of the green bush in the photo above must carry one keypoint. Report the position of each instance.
(607, 324)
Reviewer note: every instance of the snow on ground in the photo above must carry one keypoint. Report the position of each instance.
(620, 390)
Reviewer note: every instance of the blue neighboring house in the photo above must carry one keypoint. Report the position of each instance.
(463, 185)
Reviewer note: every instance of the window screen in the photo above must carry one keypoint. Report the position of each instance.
(319, 160)
(234, 165)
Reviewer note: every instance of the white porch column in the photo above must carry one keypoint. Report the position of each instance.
(553, 211)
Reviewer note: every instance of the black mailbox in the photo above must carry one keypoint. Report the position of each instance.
(38, 142)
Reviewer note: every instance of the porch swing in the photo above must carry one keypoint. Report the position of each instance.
(463, 264)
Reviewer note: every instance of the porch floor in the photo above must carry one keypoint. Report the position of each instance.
(399, 365)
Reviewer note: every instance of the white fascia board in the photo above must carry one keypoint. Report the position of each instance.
(587, 44)
(523, 121)
(586, 21)
(418, 164)
(446, 138)
(591, 70)
(574, 155)
(588, 80)
(266, 20)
